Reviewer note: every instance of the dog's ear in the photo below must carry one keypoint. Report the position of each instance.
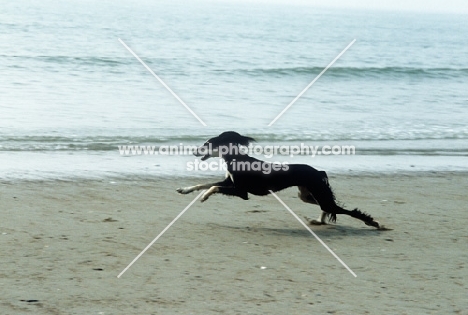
(243, 140)
(231, 137)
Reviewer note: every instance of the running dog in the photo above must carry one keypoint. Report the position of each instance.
(246, 175)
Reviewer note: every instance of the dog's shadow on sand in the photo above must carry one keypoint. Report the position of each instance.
(328, 230)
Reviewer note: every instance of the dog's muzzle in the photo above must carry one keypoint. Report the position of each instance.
(203, 151)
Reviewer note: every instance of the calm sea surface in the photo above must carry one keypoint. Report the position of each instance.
(70, 93)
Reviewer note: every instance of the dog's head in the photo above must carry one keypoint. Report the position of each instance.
(222, 145)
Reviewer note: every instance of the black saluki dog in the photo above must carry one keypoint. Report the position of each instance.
(246, 175)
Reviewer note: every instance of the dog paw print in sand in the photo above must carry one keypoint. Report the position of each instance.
(256, 210)
(109, 219)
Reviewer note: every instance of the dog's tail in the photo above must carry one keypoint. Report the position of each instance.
(329, 204)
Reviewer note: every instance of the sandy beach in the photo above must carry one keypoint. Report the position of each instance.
(65, 242)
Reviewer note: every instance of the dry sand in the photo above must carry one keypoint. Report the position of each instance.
(64, 243)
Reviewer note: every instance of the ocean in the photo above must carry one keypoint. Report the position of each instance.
(71, 93)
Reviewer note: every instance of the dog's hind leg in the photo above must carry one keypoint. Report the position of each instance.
(323, 194)
(306, 196)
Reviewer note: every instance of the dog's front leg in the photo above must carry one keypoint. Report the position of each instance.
(209, 192)
(233, 191)
(230, 191)
(187, 190)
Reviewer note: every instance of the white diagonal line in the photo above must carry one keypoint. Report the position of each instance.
(160, 234)
(162, 82)
(310, 84)
(312, 232)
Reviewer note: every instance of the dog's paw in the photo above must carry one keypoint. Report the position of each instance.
(208, 193)
(314, 222)
(205, 197)
(185, 190)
